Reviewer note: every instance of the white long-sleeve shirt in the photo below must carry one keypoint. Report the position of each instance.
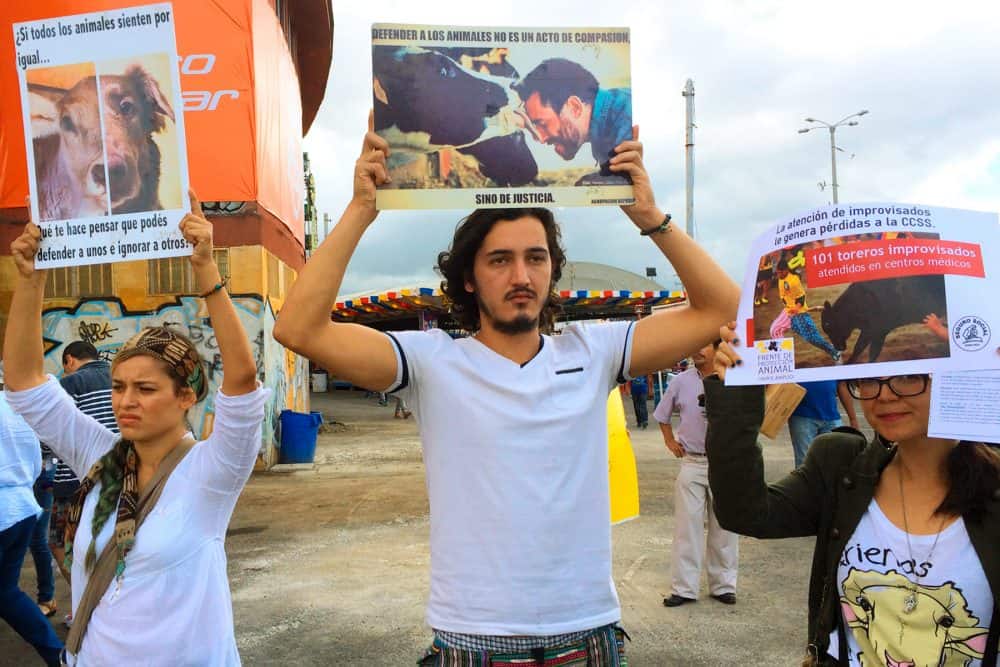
(173, 605)
(20, 465)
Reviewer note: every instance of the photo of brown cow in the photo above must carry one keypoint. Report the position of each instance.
(889, 319)
(103, 138)
(67, 142)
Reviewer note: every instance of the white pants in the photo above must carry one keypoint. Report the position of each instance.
(692, 501)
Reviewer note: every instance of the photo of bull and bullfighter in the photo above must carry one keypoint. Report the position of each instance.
(517, 115)
(103, 138)
(888, 319)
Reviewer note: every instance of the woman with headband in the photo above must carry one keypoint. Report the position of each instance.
(906, 566)
(146, 535)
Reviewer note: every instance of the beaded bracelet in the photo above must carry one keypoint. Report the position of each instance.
(214, 289)
(662, 227)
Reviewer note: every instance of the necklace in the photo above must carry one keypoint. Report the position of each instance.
(910, 601)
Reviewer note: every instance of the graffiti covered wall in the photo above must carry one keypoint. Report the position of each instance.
(107, 324)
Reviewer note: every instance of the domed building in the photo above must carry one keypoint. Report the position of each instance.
(594, 276)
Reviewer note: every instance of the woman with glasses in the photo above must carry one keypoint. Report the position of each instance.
(906, 567)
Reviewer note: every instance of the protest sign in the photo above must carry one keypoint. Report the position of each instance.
(107, 168)
(965, 406)
(863, 290)
(501, 117)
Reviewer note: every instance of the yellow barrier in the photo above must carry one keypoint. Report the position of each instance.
(621, 464)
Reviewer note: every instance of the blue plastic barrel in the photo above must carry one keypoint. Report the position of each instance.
(298, 436)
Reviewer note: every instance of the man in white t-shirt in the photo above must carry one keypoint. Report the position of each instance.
(512, 421)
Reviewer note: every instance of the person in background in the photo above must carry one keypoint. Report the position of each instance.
(692, 497)
(401, 412)
(817, 414)
(20, 466)
(87, 379)
(39, 543)
(640, 395)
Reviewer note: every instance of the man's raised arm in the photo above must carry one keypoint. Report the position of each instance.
(712, 296)
(358, 354)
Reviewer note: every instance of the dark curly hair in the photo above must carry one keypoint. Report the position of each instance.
(455, 264)
(556, 80)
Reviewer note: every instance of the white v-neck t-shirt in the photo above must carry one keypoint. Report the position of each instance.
(173, 605)
(877, 572)
(517, 475)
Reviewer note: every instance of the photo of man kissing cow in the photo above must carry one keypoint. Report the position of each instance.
(887, 319)
(103, 138)
(462, 117)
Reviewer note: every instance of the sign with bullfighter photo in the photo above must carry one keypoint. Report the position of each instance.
(872, 289)
(501, 117)
(107, 167)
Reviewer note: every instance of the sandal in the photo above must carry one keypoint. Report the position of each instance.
(48, 608)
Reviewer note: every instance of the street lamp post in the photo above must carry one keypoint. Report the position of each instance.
(847, 120)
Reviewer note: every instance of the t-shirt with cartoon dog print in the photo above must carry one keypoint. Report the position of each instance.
(932, 608)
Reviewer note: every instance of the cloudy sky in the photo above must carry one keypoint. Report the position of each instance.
(928, 72)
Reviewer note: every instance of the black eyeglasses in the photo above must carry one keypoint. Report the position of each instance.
(901, 385)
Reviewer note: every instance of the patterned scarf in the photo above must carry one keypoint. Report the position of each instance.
(184, 362)
(127, 499)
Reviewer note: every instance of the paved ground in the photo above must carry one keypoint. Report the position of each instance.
(331, 567)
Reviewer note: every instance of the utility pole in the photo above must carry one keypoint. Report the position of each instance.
(688, 94)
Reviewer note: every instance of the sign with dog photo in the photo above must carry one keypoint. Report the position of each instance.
(107, 165)
(866, 290)
(501, 117)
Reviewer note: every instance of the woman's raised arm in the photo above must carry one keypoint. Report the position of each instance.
(22, 345)
(239, 372)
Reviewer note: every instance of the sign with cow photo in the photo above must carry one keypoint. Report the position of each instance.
(866, 290)
(501, 117)
(107, 165)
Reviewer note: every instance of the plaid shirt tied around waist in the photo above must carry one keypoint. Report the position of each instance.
(600, 647)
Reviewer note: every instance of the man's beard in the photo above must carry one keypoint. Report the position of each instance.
(519, 324)
(570, 147)
(571, 140)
